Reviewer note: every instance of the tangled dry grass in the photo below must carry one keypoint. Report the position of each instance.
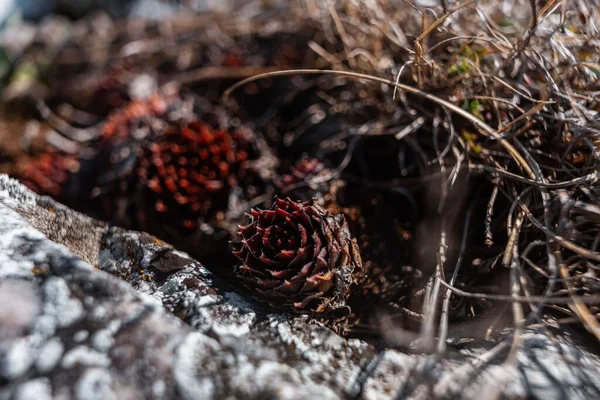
(466, 132)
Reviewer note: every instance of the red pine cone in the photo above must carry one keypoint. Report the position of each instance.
(48, 173)
(191, 169)
(297, 255)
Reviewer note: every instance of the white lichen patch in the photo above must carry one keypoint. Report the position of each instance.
(95, 384)
(278, 379)
(327, 355)
(20, 304)
(237, 326)
(389, 375)
(84, 356)
(13, 234)
(205, 301)
(59, 304)
(102, 340)
(108, 262)
(44, 326)
(36, 389)
(18, 358)
(49, 355)
(81, 336)
(159, 388)
(493, 380)
(190, 358)
(357, 345)
(546, 362)
(309, 346)
(231, 318)
(150, 300)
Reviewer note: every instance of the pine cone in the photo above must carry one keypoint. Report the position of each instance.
(298, 256)
(191, 169)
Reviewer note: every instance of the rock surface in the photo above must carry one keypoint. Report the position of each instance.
(90, 311)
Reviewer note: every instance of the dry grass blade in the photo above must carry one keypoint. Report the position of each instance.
(589, 320)
(440, 20)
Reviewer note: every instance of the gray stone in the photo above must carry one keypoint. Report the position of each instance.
(107, 313)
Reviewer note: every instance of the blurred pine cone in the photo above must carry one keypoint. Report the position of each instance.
(298, 256)
(173, 166)
(189, 171)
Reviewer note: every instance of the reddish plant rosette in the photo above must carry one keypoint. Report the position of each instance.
(191, 169)
(298, 256)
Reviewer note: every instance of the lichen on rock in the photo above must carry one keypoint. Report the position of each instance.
(83, 333)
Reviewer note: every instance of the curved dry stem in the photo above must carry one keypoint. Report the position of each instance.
(488, 130)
